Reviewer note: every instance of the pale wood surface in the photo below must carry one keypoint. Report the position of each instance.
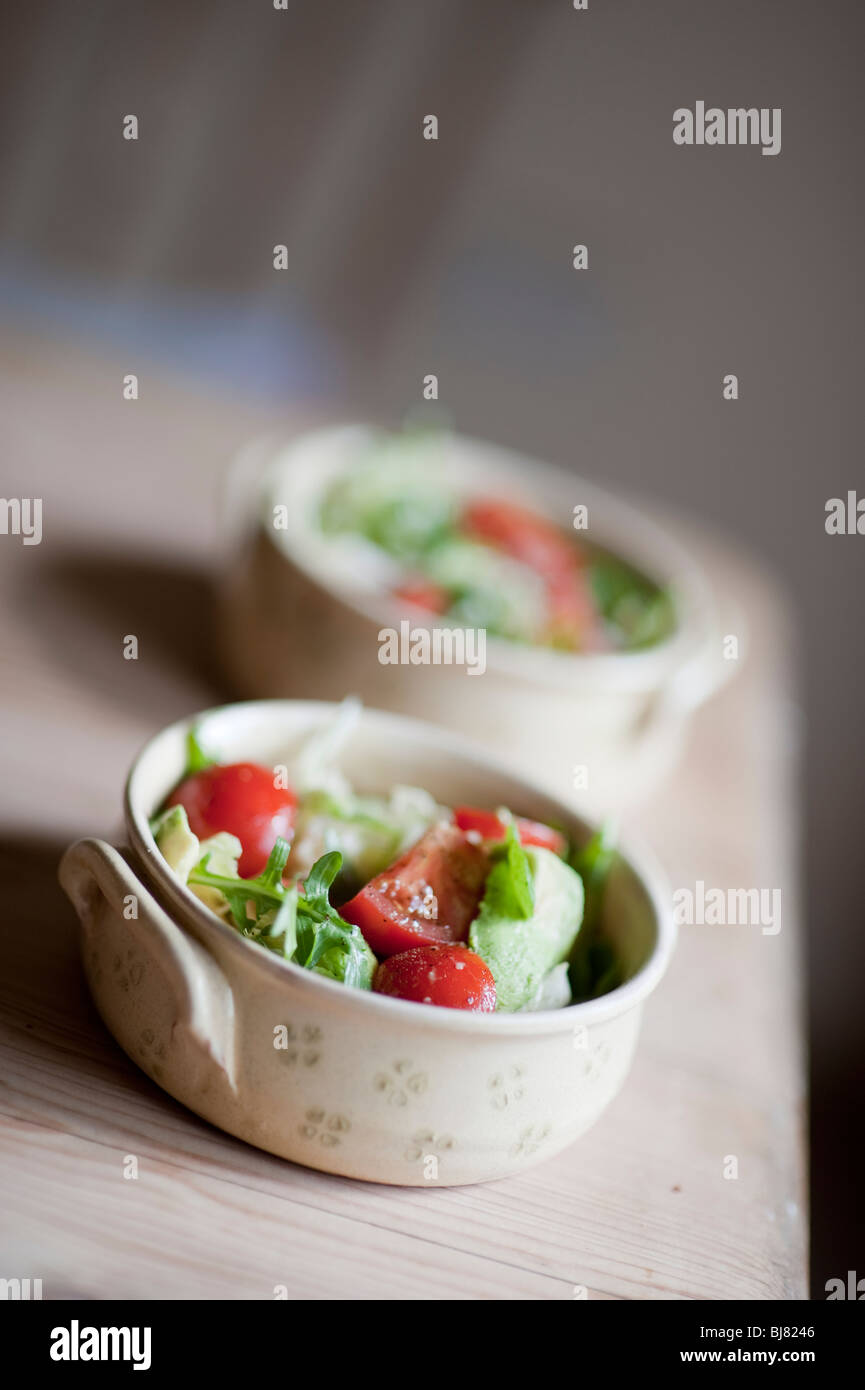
(639, 1208)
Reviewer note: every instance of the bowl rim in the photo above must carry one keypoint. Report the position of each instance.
(694, 607)
(183, 905)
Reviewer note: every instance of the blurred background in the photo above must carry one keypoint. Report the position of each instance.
(407, 257)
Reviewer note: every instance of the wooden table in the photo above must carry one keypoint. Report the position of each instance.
(639, 1208)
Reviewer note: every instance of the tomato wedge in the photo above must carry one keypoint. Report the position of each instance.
(572, 618)
(489, 827)
(532, 539)
(242, 799)
(429, 896)
(422, 593)
(451, 976)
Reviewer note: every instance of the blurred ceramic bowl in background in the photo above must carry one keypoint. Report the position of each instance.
(302, 615)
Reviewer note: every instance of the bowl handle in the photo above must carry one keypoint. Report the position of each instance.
(707, 671)
(114, 905)
(239, 494)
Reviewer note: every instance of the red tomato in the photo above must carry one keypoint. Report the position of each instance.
(529, 538)
(489, 827)
(571, 611)
(423, 594)
(430, 895)
(450, 976)
(534, 832)
(572, 619)
(242, 799)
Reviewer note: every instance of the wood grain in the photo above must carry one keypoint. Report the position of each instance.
(639, 1208)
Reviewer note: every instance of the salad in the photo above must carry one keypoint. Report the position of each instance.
(484, 562)
(459, 907)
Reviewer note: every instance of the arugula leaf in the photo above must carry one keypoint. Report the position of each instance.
(264, 893)
(196, 758)
(316, 885)
(323, 933)
(329, 935)
(271, 875)
(303, 927)
(509, 890)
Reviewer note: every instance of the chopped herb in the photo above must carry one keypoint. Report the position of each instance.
(301, 926)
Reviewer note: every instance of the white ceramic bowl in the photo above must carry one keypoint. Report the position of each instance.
(365, 1085)
(601, 729)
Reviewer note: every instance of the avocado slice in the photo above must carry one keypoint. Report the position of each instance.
(175, 841)
(521, 952)
(182, 850)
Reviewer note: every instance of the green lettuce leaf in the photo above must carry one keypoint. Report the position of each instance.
(303, 927)
(509, 892)
(196, 758)
(593, 967)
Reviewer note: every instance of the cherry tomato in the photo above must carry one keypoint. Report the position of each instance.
(423, 594)
(242, 799)
(529, 538)
(489, 827)
(451, 976)
(430, 895)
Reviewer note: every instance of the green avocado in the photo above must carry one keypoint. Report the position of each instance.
(520, 952)
(175, 841)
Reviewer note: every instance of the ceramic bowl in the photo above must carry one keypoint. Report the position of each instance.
(601, 729)
(339, 1079)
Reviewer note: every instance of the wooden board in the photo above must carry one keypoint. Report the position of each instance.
(639, 1208)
